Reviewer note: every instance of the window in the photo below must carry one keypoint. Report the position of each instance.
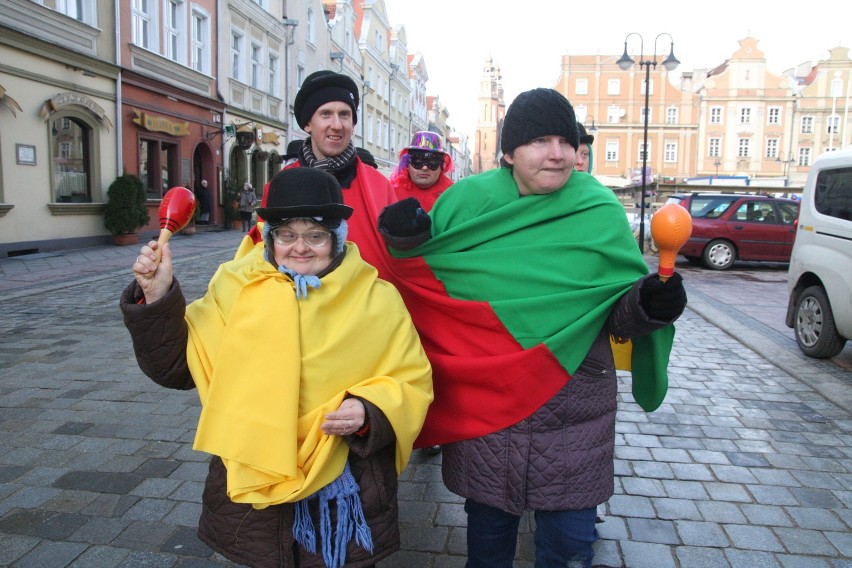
(671, 115)
(744, 148)
(200, 40)
(82, 10)
(613, 113)
(613, 87)
(642, 112)
(172, 30)
(370, 128)
(772, 148)
(72, 158)
(581, 112)
(581, 87)
(773, 115)
(807, 125)
(833, 124)
(670, 152)
(312, 31)
(142, 14)
(256, 66)
(716, 115)
(650, 85)
(833, 193)
(273, 75)
(237, 55)
(612, 151)
(836, 88)
(745, 115)
(640, 155)
(804, 156)
(714, 146)
(159, 166)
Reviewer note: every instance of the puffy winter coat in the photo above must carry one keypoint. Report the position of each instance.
(263, 538)
(560, 457)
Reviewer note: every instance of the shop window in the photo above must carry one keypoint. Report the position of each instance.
(159, 166)
(71, 159)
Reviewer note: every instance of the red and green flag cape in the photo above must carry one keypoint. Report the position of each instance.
(509, 294)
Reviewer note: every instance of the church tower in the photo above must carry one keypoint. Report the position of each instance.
(489, 121)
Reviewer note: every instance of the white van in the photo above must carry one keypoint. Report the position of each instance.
(820, 274)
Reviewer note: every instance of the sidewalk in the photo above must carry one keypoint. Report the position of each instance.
(746, 464)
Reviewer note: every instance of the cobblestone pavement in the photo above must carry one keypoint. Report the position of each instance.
(748, 463)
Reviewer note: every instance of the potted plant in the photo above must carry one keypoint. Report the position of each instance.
(125, 212)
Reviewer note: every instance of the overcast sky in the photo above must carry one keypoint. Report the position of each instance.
(455, 37)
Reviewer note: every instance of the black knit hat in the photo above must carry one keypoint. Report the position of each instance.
(537, 113)
(585, 137)
(305, 192)
(324, 87)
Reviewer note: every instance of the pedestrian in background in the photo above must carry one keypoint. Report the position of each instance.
(247, 202)
(202, 195)
(516, 280)
(584, 151)
(326, 107)
(312, 380)
(422, 170)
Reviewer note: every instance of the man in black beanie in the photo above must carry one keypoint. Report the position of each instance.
(326, 107)
(531, 270)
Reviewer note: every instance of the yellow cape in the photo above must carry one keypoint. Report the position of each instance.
(269, 367)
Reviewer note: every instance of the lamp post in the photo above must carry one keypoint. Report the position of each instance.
(625, 63)
(717, 163)
(592, 129)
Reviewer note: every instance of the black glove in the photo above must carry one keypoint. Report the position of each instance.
(663, 300)
(404, 219)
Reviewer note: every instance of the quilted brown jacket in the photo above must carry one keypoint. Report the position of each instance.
(264, 538)
(561, 457)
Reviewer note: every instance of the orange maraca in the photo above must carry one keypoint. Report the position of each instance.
(671, 226)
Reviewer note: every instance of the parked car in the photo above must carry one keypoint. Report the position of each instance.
(733, 226)
(820, 274)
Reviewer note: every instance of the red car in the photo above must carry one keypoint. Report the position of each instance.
(732, 226)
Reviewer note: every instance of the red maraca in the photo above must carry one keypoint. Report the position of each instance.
(671, 226)
(176, 211)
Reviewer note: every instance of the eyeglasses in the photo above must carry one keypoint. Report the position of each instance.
(313, 239)
(431, 160)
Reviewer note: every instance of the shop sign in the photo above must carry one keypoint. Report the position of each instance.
(154, 123)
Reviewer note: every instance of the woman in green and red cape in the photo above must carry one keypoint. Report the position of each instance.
(516, 280)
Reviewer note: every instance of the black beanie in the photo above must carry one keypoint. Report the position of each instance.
(324, 87)
(537, 113)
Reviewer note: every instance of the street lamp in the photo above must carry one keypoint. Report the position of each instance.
(625, 63)
(592, 129)
(717, 163)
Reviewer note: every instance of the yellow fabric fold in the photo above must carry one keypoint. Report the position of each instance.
(269, 368)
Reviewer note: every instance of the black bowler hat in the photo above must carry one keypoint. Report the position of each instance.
(323, 87)
(305, 192)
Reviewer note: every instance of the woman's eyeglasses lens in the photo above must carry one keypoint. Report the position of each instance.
(431, 161)
(313, 238)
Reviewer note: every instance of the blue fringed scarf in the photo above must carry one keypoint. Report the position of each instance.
(350, 521)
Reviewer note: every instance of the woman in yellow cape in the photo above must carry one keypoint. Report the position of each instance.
(311, 419)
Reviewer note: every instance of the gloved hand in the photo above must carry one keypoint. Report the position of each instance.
(663, 300)
(404, 219)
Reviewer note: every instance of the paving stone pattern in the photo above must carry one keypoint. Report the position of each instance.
(742, 466)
